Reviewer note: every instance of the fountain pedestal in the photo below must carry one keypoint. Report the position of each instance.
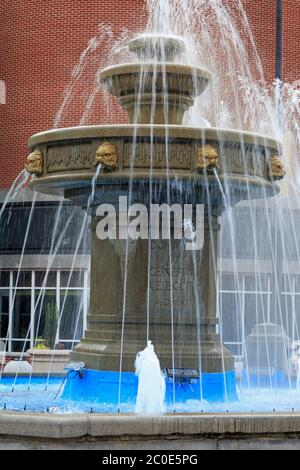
(182, 317)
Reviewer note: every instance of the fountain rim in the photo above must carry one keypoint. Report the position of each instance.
(29, 425)
(158, 130)
(56, 184)
(145, 41)
(177, 68)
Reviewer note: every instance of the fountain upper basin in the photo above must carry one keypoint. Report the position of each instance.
(157, 46)
(174, 86)
(69, 156)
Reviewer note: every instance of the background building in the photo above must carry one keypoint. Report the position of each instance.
(40, 43)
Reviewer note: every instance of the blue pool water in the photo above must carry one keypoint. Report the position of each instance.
(41, 397)
(104, 386)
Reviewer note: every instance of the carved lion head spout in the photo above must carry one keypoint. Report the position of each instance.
(107, 156)
(208, 158)
(276, 170)
(34, 163)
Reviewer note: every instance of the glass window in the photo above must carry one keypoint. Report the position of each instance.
(230, 282)
(257, 283)
(74, 279)
(41, 313)
(230, 320)
(4, 312)
(22, 278)
(284, 316)
(43, 279)
(287, 283)
(297, 283)
(4, 279)
(45, 317)
(21, 313)
(256, 311)
(297, 318)
(19, 346)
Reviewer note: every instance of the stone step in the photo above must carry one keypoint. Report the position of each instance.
(154, 320)
(106, 355)
(114, 334)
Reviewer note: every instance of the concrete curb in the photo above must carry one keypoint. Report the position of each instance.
(45, 426)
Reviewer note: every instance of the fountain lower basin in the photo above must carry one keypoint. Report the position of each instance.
(39, 400)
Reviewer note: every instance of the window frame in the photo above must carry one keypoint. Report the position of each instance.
(12, 290)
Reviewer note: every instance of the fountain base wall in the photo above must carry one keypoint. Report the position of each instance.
(220, 431)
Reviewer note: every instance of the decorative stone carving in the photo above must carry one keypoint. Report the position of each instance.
(69, 157)
(107, 156)
(276, 169)
(147, 155)
(34, 163)
(208, 158)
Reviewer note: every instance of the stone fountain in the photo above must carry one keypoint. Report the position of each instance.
(155, 159)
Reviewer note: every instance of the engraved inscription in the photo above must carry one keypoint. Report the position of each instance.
(71, 157)
(183, 282)
(179, 156)
(183, 287)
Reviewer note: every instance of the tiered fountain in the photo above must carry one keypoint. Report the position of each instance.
(169, 295)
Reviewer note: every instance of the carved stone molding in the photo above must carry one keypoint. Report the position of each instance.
(107, 156)
(71, 157)
(208, 158)
(276, 168)
(34, 164)
(155, 156)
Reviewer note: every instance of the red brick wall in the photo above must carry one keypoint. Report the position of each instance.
(291, 28)
(41, 41)
(262, 19)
